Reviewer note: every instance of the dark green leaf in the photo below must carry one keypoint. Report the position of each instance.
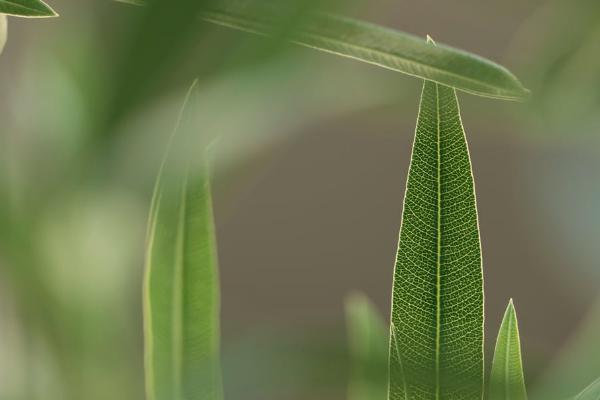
(374, 44)
(26, 8)
(437, 306)
(507, 381)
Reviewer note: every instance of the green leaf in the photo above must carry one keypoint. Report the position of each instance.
(3, 32)
(507, 381)
(374, 44)
(437, 305)
(368, 350)
(26, 8)
(181, 295)
(591, 392)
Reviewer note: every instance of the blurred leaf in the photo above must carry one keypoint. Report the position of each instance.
(437, 305)
(368, 349)
(373, 44)
(591, 392)
(181, 295)
(507, 381)
(3, 31)
(26, 8)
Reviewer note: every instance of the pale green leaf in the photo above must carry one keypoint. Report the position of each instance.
(591, 392)
(3, 32)
(506, 380)
(26, 8)
(374, 44)
(181, 289)
(367, 338)
(437, 305)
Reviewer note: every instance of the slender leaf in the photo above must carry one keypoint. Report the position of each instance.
(3, 32)
(26, 8)
(377, 45)
(591, 392)
(507, 381)
(368, 349)
(181, 296)
(437, 305)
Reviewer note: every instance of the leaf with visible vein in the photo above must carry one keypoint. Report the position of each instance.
(373, 44)
(181, 295)
(591, 392)
(437, 305)
(368, 349)
(26, 8)
(506, 380)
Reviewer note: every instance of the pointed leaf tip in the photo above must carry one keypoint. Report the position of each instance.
(507, 380)
(27, 9)
(430, 40)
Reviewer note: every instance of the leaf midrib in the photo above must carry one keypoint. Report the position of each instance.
(499, 93)
(507, 357)
(439, 246)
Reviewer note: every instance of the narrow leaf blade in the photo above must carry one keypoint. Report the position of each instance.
(26, 8)
(368, 349)
(591, 392)
(507, 381)
(437, 305)
(181, 289)
(376, 45)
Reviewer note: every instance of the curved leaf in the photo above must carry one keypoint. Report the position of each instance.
(507, 381)
(368, 348)
(181, 295)
(437, 305)
(374, 44)
(591, 392)
(26, 8)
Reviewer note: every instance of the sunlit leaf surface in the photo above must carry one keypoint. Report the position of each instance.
(26, 8)
(437, 310)
(373, 44)
(507, 381)
(181, 296)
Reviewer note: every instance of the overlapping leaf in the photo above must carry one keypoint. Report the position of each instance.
(3, 32)
(507, 381)
(181, 296)
(26, 8)
(373, 44)
(437, 306)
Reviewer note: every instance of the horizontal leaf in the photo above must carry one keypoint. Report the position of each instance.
(368, 349)
(26, 8)
(507, 381)
(591, 392)
(181, 295)
(437, 305)
(374, 44)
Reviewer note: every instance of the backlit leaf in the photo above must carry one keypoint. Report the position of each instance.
(373, 44)
(181, 295)
(437, 305)
(26, 8)
(507, 381)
